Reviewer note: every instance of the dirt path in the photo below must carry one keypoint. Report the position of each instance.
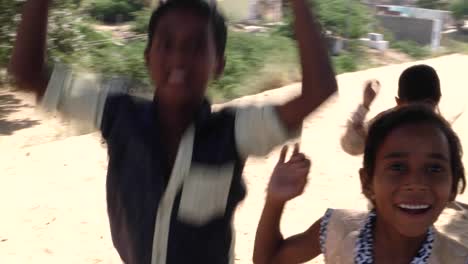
(53, 196)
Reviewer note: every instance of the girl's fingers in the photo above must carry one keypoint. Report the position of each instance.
(283, 153)
(296, 149)
(297, 158)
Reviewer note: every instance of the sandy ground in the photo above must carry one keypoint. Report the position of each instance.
(52, 180)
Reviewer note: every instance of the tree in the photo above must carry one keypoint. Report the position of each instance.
(8, 22)
(64, 33)
(459, 10)
(433, 4)
(349, 18)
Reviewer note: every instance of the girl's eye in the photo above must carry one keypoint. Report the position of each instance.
(435, 168)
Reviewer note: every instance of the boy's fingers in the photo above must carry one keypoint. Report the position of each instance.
(283, 153)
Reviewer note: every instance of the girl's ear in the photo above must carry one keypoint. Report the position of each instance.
(366, 184)
(452, 196)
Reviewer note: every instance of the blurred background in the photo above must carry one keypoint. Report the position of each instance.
(108, 36)
(52, 178)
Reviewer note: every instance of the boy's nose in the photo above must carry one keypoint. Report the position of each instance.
(177, 60)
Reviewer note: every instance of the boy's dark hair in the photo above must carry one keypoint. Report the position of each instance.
(200, 7)
(394, 118)
(419, 83)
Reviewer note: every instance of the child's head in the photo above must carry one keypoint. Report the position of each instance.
(412, 167)
(186, 44)
(419, 84)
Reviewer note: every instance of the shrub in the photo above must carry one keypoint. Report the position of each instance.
(411, 48)
(256, 62)
(112, 11)
(142, 18)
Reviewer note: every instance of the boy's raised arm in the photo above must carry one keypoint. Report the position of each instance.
(28, 61)
(318, 77)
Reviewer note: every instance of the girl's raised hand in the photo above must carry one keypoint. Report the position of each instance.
(289, 178)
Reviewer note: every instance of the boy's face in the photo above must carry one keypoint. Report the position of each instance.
(412, 180)
(182, 58)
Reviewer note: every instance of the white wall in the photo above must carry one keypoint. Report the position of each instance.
(237, 10)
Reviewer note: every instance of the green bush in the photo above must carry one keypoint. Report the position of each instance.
(345, 62)
(459, 9)
(433, 4)
(411, 48)
(343, 17)
(141, 21)
(256, 62)
(110, 10)
(63, 36)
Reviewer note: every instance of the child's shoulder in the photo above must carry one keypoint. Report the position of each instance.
(448, 250)
(342, 222)
(347, 216)
(338, 234)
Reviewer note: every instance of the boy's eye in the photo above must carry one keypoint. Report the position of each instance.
(399, 167)
(198, 46)
(166, 44)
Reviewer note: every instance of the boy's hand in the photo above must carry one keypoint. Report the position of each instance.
(289, 178)
(371, 89)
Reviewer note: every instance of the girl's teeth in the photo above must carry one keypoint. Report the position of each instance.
(177, 76)
(414, 206)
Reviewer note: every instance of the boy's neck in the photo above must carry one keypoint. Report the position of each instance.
(175, 120)
(394, 246)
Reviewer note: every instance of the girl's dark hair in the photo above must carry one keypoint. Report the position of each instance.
(200, 7)
(394, 118)
(419, 83)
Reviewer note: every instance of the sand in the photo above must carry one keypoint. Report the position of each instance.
(53, 179)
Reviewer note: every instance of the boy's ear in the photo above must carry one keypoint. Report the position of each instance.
(397, 100)
(146, 55)
(220, 65)
(366, 184)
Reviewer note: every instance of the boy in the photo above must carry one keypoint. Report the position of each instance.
(419, 83)
(175, 168)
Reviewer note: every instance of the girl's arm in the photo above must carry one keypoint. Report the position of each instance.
(287, 182)
(272, 248)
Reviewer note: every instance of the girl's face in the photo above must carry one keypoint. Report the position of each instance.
(412, 180)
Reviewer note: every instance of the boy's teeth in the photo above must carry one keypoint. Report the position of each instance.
(414, 206)
(177, 76)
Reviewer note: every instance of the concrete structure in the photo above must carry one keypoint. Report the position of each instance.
(423, 31)
(251, 10)
(246, 10)
(422, 13)
(390, 2)
(375, 41)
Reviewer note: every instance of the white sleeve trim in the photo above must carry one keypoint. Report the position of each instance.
(78, 96)
(359, 116)
(258, 130)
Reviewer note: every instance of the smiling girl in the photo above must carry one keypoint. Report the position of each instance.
(412, 170)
